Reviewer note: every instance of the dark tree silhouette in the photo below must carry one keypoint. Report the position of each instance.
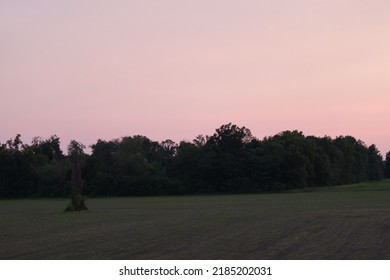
(76, 154)
(375, 164)
(230, 160)
(387, 165)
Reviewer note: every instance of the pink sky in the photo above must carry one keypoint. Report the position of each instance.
(175, 69)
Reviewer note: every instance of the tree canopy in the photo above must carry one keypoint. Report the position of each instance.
(230, 160)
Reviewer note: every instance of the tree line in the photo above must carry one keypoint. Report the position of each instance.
(230, 160)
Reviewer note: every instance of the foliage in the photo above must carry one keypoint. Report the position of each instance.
(387, 165)
(76, 155)
(230, 160)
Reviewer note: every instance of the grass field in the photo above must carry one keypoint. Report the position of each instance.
(345, 222)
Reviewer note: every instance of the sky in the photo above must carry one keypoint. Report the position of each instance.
(174, 69)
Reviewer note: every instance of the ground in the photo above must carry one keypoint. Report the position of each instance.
(345, 222)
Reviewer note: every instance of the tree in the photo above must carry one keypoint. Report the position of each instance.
(75, 155)
(375, 163)
(353, 163)
(200, 141)
(387, 165)
(49, 147)
(296, 163)
(224, 154)
(230, 138)
(17, 175)
(49, 165)
(15, 145)
(169, 148)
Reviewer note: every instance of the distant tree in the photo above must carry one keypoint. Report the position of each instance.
(224, 154)
(15, 145)
(17, 175)
(49, 165)
(130, 166)
(75, 155)
(273, 156)
(99, 168)
(387, 165)
(49, 147)
(375, 163)
(230, 160)
(230, 138)
(322, 167)
(200, 141)
(187, 167)
(169, 148)
(353, 162)
(296, 162)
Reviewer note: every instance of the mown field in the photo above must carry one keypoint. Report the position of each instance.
(344, 222)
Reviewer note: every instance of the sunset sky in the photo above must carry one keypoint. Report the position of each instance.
(91, 69)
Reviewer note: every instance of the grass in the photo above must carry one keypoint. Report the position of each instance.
(343, 222)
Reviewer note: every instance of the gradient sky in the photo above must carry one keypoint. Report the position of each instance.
(90, 69)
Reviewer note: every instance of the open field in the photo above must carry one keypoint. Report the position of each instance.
(345, 222)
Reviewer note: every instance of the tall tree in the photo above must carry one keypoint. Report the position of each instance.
(387, 165)
(49, 165)
(76, 154)
(230, 138)
(375, 164)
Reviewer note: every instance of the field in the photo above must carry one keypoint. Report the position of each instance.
(345, 222)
